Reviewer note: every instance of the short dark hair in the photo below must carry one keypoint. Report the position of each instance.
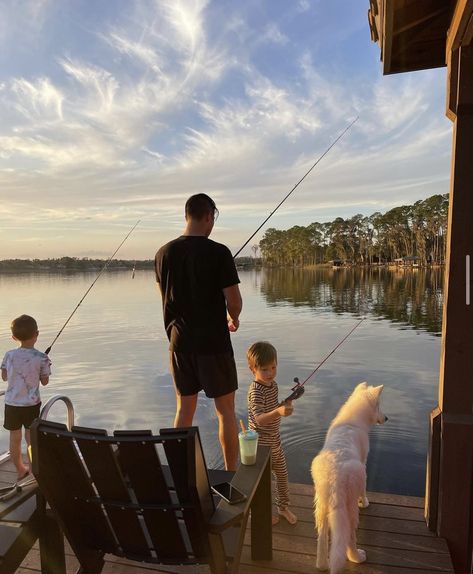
(24, 327)
(200, 205)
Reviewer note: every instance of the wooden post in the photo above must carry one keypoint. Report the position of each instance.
(261, 529)
(451, 453)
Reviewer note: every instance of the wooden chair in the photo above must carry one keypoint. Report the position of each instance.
(113, 494)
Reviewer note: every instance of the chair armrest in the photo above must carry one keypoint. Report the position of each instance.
(246, 479)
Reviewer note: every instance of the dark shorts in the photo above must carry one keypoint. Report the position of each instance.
(17, 417)
(216, 375)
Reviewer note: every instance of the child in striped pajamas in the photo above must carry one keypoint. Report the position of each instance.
(264, 416)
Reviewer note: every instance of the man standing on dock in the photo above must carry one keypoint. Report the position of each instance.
(201, 304)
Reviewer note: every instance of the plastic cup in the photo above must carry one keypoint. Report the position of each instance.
(248, 446)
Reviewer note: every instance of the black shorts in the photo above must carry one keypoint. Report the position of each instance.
(17, 417)
(216, 375)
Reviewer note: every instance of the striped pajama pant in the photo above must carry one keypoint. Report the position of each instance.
(278, 468)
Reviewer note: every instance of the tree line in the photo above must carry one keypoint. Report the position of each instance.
(71, 264)
(417, 230)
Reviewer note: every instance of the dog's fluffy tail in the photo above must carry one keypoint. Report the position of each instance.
(337, 487)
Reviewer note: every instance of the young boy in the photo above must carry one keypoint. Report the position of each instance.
(24, 368)
(264, 416)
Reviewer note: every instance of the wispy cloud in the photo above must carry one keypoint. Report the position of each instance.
(273, 34)
(132, 110)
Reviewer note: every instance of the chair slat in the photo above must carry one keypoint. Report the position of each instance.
(140, 463)
(64, 482)
(187, 465)
(105, 473)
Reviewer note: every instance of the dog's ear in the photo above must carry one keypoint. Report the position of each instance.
(361, 387)
(377, 390)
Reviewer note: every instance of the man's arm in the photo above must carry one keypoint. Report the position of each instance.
(234, 305)
(4, 374)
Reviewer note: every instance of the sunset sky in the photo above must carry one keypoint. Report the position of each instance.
(113, 111)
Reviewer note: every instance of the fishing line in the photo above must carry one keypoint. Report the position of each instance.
(298, 389)
(296, 186)
(92, 284)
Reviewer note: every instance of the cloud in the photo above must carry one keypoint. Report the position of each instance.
(272, 34)
(168, 98)
(303, 5)
(38, 100)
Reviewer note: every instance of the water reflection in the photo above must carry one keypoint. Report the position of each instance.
(112, 359)
(409, 297)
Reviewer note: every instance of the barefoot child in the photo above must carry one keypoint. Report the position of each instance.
(24, 368)
(264, 415)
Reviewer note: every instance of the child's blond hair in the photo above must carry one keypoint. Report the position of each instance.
(261, 354)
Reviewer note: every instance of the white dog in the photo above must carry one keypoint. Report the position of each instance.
(339, 475)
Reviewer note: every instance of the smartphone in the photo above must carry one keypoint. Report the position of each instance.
(228, 492)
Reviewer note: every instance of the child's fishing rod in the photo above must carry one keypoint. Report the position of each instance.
(92, 284)
(297, 185)
(298, 389)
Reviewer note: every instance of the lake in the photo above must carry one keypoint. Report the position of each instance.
(112, 358)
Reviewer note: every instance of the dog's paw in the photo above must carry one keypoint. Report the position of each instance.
(363, 502)
(358, 556)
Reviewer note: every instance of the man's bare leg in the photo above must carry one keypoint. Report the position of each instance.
(185, 409)
(227, 429)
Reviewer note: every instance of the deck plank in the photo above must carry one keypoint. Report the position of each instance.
(378, 561)
(392, 531)
(305, 525)
(400, 542)
(378, 497)
(374, 509)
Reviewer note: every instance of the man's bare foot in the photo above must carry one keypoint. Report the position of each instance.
(288, 515)
(274, 519)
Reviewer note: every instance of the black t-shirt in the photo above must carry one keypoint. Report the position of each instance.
(192, 272)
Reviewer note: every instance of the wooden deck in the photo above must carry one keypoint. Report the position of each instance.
(392, 531)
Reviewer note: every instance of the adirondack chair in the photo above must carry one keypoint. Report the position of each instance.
(113, 494)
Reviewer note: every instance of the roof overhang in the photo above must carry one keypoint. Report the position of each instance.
(412, 34)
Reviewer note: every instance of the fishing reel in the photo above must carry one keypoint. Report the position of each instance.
(297, 391)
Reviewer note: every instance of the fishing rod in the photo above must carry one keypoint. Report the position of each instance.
(92, 284)
(298, 389)
(296, 186)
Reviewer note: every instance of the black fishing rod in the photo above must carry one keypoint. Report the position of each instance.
(298, 389)
(296, 186)
(92, 284)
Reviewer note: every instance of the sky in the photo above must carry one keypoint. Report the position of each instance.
(114, 111)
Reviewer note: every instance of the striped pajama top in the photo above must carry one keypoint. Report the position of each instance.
(263, 399)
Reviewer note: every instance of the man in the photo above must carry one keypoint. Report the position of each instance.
(201, 304)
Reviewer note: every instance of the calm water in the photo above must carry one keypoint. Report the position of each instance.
(111, 359)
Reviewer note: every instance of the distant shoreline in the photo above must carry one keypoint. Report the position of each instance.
(73, 265)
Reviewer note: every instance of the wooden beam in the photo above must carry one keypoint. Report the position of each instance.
(461, 27)
(418, 21)
(455, 492)
(468, 37)
(452, 85)
(387, 35)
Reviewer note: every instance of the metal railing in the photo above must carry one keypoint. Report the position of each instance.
(70, 409)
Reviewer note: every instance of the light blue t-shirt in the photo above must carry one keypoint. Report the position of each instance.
(24, 368)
